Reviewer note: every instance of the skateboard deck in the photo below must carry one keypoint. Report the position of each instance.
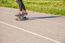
(20, 18)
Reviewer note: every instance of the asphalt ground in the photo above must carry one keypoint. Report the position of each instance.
(40, 28)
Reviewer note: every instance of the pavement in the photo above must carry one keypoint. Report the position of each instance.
(40, 28)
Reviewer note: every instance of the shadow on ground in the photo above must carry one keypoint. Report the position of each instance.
(45, 17)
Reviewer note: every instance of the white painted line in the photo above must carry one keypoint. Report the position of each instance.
(30, 32)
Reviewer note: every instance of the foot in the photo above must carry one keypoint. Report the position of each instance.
(24, 16)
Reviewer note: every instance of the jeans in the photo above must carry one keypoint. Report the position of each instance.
(21, 5)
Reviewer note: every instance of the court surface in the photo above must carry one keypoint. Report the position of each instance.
(40, 28)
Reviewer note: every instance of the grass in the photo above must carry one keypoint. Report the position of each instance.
(56, 7)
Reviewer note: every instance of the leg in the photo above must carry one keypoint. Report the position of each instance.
(22, 7)
(22, 12)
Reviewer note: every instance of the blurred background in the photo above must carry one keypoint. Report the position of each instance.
(56, 7)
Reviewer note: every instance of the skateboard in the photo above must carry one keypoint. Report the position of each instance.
(21, 18)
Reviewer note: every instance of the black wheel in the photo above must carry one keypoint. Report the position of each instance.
(25, 18)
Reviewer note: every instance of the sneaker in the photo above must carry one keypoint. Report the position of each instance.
(24, 16)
